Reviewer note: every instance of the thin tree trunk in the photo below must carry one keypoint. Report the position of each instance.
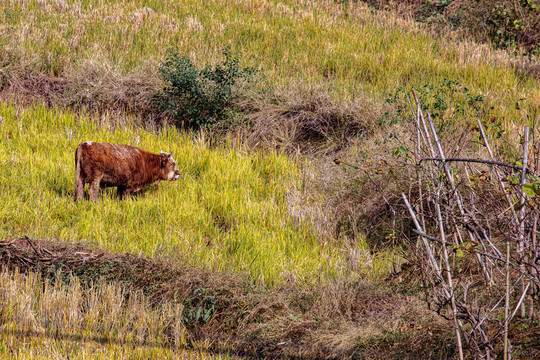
(521, 241)
(507, 303)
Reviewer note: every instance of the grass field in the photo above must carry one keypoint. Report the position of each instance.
(228, 210)
(345, 48)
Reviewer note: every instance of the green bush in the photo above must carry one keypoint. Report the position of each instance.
(450, 104)
(200, 97)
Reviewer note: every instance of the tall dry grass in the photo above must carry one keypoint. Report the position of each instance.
(50, 319)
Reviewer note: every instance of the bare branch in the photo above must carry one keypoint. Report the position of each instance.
(480, 161)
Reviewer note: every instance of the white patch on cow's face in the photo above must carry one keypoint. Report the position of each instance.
(174, 174)
(88, 143)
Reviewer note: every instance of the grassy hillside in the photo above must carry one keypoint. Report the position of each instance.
(344, 48)
(289, 224)
(228, 211)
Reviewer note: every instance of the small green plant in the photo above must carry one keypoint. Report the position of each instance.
(512, 23)
(57, 272)
(199, 308)
(200, 97)
(4, 75)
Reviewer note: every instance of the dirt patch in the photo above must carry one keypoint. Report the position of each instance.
(34, 87)
(331, 321)
(96, 89)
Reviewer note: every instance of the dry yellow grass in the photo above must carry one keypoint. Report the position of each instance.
(41, 319)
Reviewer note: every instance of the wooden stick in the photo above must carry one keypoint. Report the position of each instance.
(419, 228)
(481, 161)
(419, 109)
(523, 178)
(448, 293)
(520, 302)
(432, 238)
(417, 117)
(532, 256)
(418, 168)
(449, 279)
(501, 184)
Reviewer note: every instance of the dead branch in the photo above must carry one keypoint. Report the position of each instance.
(480, 161)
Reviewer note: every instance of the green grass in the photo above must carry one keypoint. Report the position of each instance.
(227, 212)
(345, 48)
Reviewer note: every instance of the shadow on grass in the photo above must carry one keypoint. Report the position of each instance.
(110, 192)
(212, 345)
(78, 337)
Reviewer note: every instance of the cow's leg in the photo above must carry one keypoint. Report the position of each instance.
(79, 177)
(79, 188)
(121, 192)
(94, 188)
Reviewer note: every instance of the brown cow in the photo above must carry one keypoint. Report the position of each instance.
(127, 167)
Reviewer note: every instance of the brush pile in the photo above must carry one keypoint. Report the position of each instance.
(477, 226)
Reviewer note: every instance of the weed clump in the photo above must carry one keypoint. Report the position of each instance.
(200, 97)
(504, 24)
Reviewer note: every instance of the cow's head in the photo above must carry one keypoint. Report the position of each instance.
(168, 167)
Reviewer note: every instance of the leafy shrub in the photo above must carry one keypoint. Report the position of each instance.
(510, 24)
(448, 102)
(200, 97)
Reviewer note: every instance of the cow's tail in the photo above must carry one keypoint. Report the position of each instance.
(79, 184)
